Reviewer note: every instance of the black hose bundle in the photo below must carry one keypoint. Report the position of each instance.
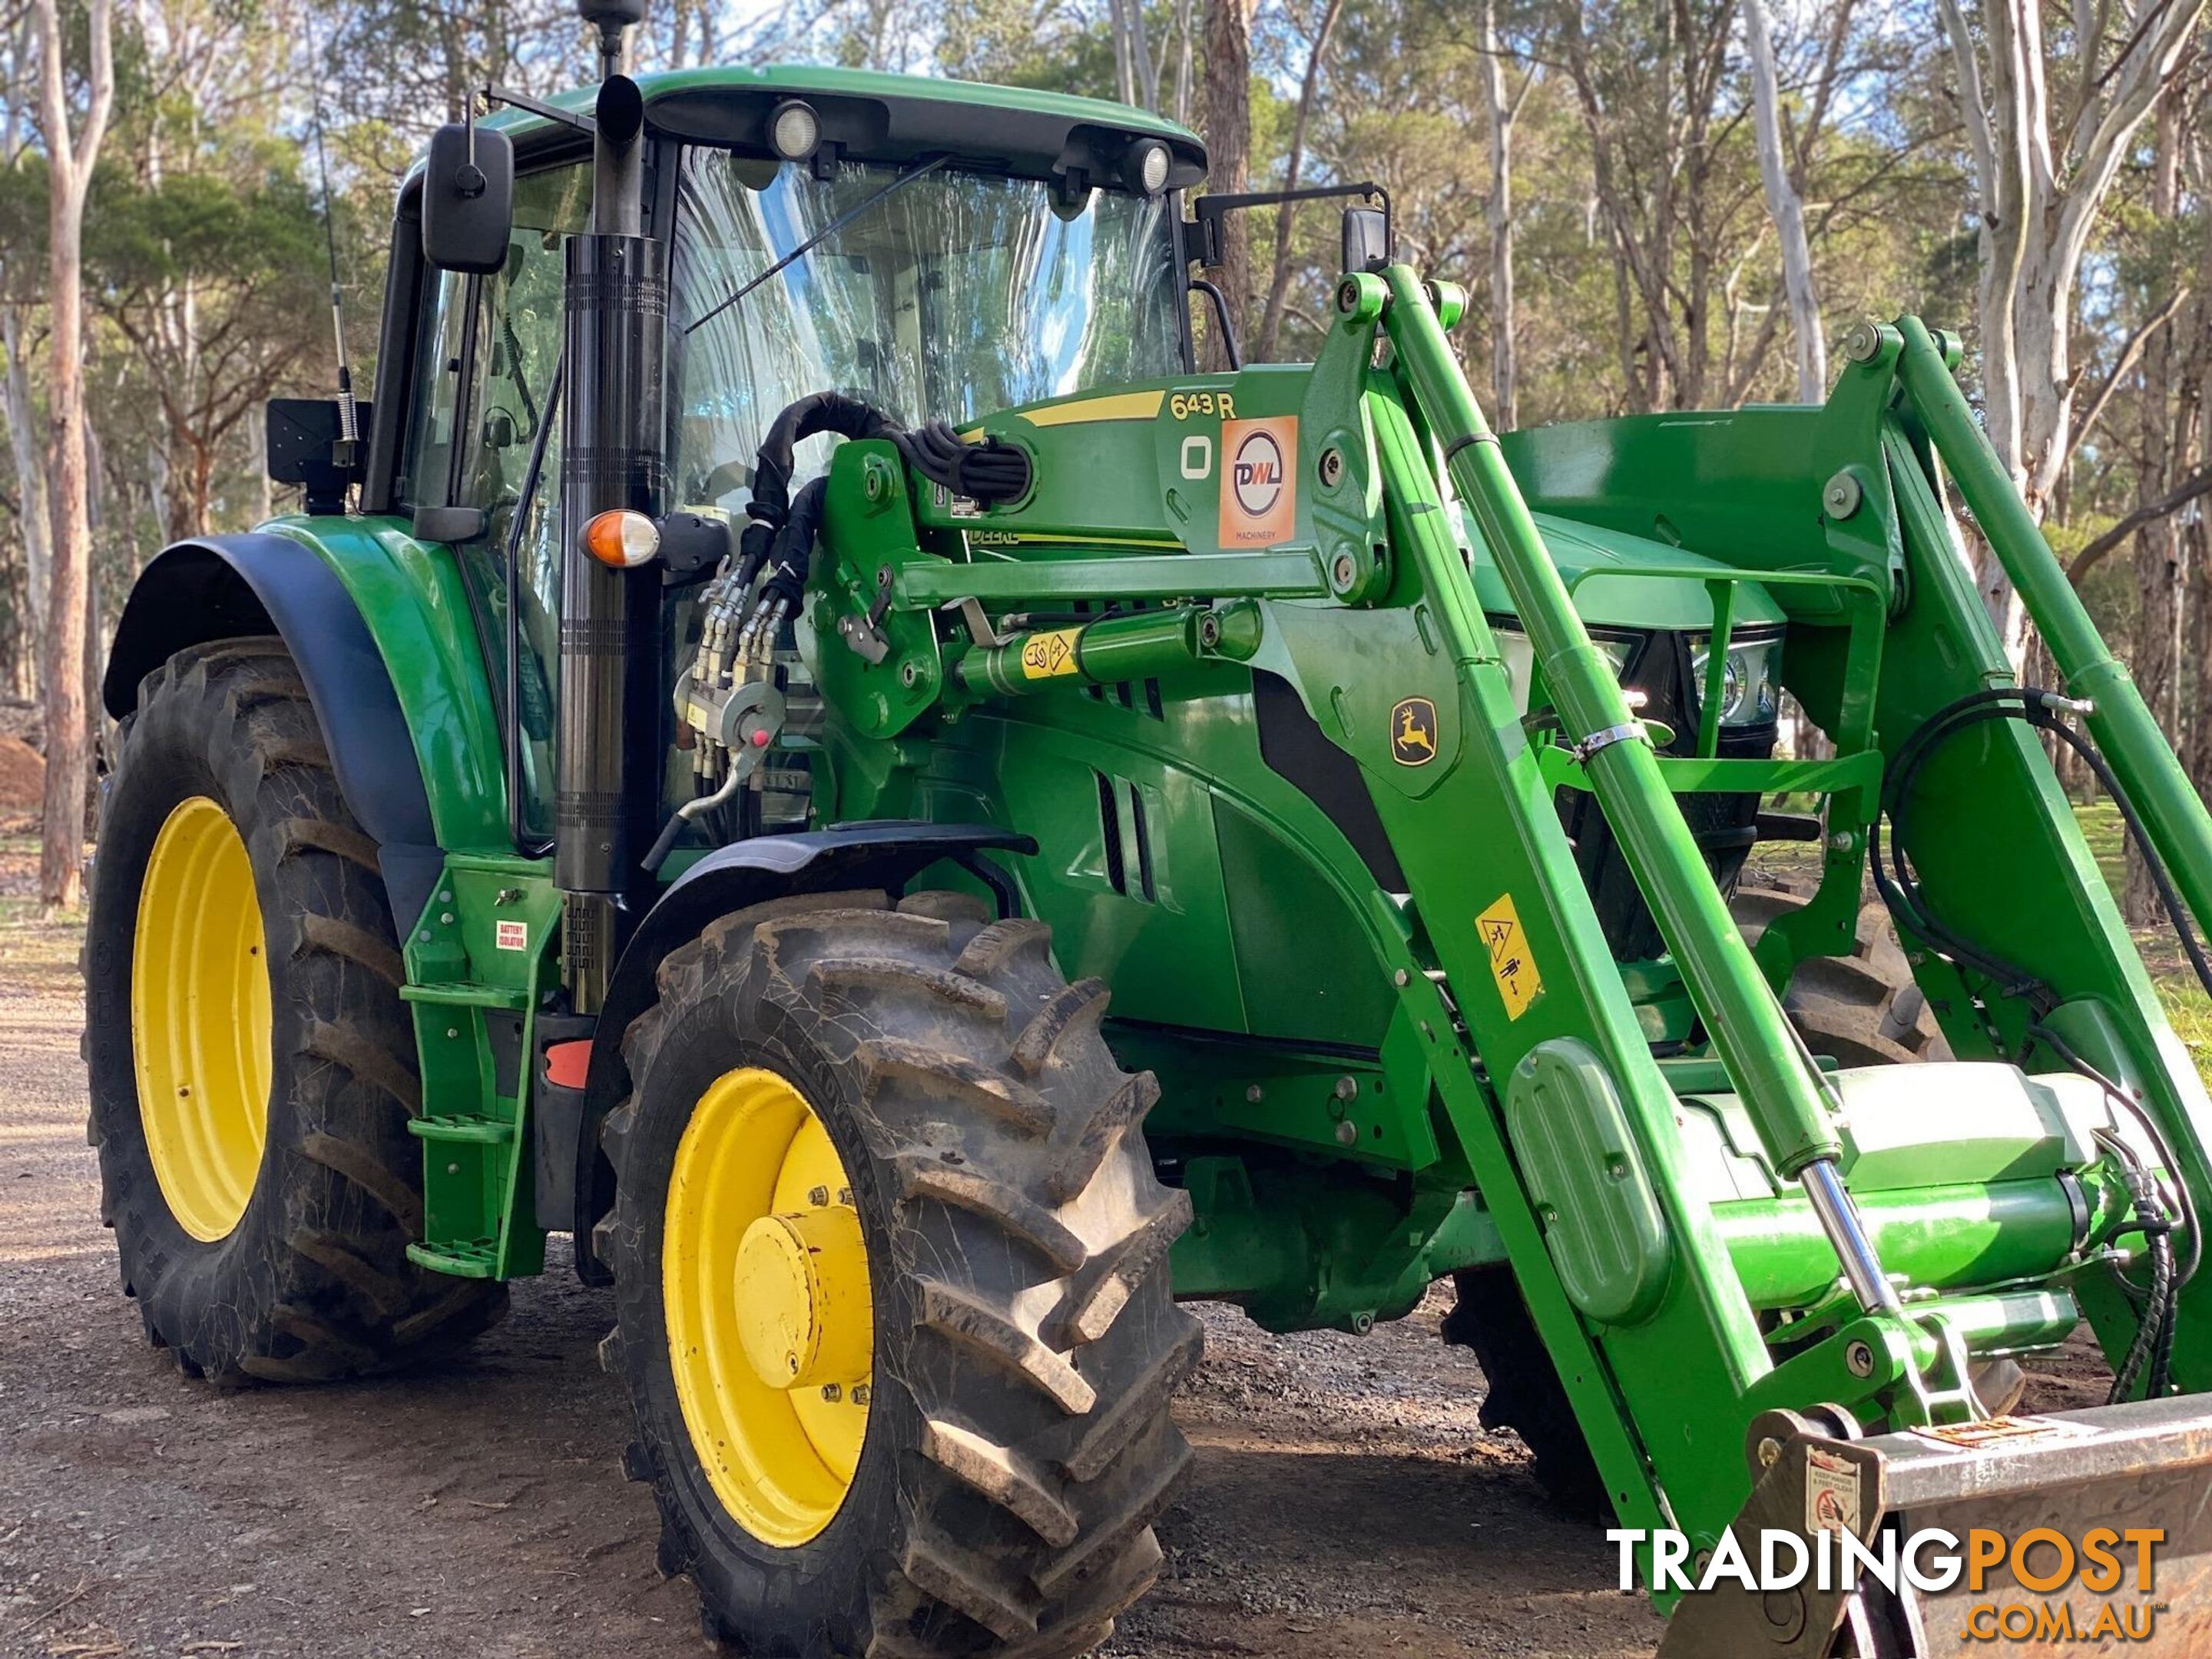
(2044, 710)
(2154, 1214)
(819, 412)
(990, 471)
(2153, 1343)
(782, 532)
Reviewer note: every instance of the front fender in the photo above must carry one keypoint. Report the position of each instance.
(379, 625)
(885, 855)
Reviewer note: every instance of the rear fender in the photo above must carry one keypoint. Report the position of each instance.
(886, 854)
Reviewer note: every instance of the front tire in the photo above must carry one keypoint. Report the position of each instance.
(252, 1064)
(987, 1158)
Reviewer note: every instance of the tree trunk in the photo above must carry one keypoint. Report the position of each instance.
(1279, 286)
(1785, 207)
(1229, 150)
(70, 160)
(29, 454)
(2039, 192)
(1504, 367)
(2159, 571)
(1117, 26)
(1184, 31)
(68, 733)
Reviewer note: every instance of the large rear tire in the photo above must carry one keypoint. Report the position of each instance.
(935, 1419)
(1863, 1009)
(252, 1064)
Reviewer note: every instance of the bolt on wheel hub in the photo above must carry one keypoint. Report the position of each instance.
(802, 1298)
(765, 1292)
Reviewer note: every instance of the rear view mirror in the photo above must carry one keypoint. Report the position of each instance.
(468, 198)
(1366, 239)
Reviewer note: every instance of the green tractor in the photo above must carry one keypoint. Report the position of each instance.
(912, 909)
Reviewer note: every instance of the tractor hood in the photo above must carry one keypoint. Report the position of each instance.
(1620, 580)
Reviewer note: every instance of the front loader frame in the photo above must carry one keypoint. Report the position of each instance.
(1537, 1060)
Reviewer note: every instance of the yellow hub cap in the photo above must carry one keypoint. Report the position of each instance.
(765, 1284)
(200, 1018)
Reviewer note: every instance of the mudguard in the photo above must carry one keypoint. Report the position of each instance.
(888, 854)
(224, 586)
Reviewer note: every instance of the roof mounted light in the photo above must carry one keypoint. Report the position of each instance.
(794, 131)
(1145, 166)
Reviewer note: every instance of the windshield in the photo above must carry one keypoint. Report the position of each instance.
(957, 295)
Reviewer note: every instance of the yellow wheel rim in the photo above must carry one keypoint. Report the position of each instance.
(764, 1286)
(200, 1018)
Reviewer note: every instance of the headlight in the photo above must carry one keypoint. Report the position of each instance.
(1519, 658)
(1750, 691)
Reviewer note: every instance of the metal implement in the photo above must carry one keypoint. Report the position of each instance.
(2018, 1502)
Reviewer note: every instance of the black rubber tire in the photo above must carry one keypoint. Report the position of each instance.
(1864, 1009)
(313, 1283)
(1019, 1442)
(1525, 1393)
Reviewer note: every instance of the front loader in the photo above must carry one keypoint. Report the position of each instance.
(802, 744)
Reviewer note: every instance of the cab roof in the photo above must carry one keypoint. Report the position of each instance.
(874, 117)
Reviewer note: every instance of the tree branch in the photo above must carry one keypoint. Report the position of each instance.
(2124, 363)
(2094, 555)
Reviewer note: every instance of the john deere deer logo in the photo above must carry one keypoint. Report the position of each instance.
(1413, 732)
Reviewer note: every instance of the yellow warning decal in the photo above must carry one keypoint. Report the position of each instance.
(1045, 655)
(1510, 964)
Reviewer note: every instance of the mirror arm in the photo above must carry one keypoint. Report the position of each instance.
(1209, 210)
(538, 106)
(1228, 346)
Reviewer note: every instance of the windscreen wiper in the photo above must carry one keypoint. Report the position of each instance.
(829, 230)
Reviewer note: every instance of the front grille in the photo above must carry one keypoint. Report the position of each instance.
(1725, 826)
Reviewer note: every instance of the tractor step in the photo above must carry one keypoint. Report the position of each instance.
(476, 1259)
(470, 1131)
(455, 994)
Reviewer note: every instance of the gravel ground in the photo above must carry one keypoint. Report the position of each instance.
(1343, 1501)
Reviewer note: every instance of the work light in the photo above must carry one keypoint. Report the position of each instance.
(1146, 167)
(794, 130)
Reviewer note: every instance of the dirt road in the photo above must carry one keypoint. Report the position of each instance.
(1344, 1502)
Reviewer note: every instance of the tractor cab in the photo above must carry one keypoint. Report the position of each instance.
(932, 249)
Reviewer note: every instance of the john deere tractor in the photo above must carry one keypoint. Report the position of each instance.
(801, 743)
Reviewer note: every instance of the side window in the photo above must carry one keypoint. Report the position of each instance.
(490, 346)
(430, 454)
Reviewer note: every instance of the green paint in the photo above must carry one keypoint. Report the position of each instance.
(413, 598)
(1256, 714)
(478, 961)
(1296, 1011)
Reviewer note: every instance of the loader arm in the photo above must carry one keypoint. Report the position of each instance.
(1734, 1256)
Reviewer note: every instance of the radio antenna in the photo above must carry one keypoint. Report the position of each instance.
(345, 454)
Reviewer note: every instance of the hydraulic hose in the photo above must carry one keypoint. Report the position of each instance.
(2154, 1214)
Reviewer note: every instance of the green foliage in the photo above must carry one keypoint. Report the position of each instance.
(261, 235)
